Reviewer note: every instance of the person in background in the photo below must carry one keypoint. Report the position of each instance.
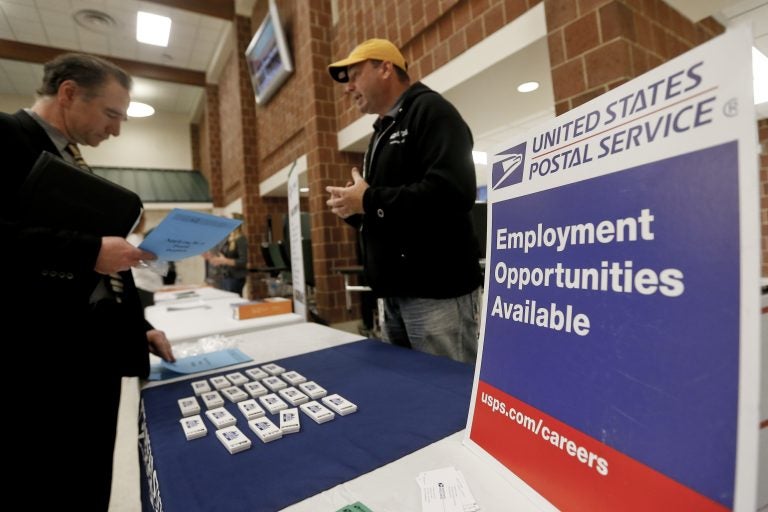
(80, 331)
(172, 275)
(231, 263)
(412, 204)
(146, 279)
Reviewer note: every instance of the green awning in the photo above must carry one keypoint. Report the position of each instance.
(160, 185)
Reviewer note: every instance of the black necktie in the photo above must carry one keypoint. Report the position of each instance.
(115, 281)
(73, 150)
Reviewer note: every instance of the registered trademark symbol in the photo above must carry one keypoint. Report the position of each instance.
(731, 107)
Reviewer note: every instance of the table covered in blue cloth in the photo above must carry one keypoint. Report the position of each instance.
(406, 400)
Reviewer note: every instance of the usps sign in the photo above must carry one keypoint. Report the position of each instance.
(618, 367)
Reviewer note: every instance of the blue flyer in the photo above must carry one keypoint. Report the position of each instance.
(185, 233)
(197, 364)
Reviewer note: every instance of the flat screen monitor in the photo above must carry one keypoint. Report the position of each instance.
(269, 61)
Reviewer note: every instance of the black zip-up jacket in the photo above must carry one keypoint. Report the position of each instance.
(417, 235)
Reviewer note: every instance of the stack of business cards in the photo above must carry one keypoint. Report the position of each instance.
(212, 400)
(193, 427)
(273, 403)
(237, 378)
(317, 412)
(274, 383)
(250, 409)
(220, 382)
(289, 421)
(293, 378)
(189, 406)
(257, 373)
(339, 404)
(200, 387)
(265, 429)
(272, 369)
(233, 440)
(255, 389)
(220, 417)
(313, 390)
(234, 394)
(293, 396)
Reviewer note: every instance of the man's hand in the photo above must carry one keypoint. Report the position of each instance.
(348, 200)
(159, 345)
(117, 254)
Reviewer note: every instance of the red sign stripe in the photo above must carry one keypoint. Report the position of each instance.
(567, 478)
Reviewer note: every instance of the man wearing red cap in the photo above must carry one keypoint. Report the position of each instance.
(412, 204)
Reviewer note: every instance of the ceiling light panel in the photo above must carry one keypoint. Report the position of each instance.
(152, 28)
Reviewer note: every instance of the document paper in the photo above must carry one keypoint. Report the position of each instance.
(185, 233)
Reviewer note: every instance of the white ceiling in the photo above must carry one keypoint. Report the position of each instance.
(488, 100)
(192, 45)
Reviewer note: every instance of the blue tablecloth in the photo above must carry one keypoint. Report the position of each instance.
(406, 400)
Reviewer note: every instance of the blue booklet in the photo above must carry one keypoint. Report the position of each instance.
(195, 364)
(185, 233)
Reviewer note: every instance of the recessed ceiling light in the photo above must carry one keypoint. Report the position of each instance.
(152, 29)
(528, 86)
(304, 190)
(137, 109)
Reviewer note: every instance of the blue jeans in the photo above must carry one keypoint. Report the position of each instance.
(443, 327)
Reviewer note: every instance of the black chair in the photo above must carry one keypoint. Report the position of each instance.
(274, 266)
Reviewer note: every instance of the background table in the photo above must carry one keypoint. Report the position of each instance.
(190, 319)
(202, 292)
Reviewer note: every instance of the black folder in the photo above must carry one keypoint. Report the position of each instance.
(57, 194)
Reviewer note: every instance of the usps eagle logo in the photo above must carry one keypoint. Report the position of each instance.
(508, 167)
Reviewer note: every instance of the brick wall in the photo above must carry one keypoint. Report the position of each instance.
(231, 127)
(194, 142)
(596, 45)
(429, 33)
(210, 144)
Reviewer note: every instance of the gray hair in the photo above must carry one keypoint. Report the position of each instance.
(87, 71)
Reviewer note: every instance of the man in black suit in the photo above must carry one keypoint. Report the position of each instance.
(65, 411)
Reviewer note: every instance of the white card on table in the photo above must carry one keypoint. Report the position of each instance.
(189, 406)
(317, 411)
(234, 394)
(220, 382)
(273, 403)
(220, 417)
(237, 378)
(212, 400)
(233, 440)
(265, 429)
(250, 409)
(256, 373)
(293, 378)
(289, 421)
(272, 368)
(255, 389)
(274, 383)
(293, 396)
(312, 389)
(339, 404)
(193, 427)
(200, 387)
